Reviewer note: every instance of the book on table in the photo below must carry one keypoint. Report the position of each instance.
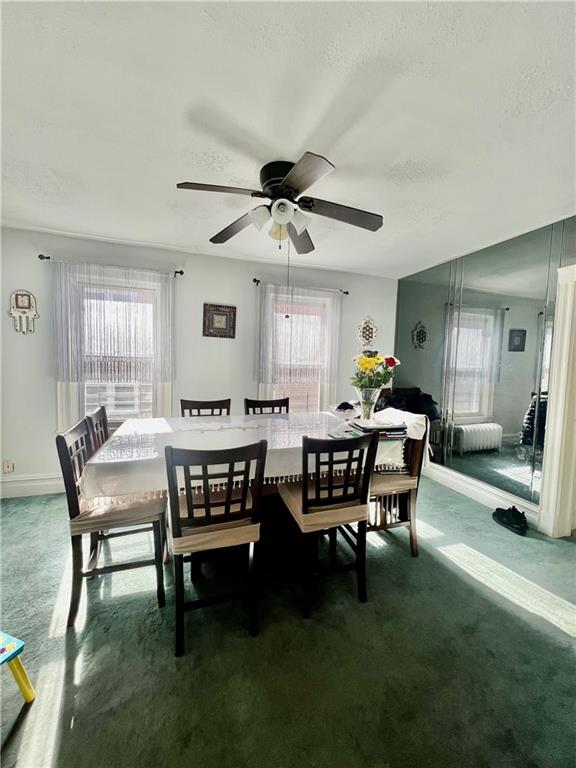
(384, 430)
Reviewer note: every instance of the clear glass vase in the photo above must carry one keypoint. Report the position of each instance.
(368, 399)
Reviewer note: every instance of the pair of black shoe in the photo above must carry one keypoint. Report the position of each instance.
(512, 519)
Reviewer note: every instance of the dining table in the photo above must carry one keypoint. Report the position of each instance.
(132, 460)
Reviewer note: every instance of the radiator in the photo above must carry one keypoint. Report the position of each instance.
(477, 437)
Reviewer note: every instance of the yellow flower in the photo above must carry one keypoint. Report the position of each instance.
(368, 364)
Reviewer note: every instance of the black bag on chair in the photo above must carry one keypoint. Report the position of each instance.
(413, 400)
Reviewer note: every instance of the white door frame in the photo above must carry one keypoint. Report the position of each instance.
(558, 493)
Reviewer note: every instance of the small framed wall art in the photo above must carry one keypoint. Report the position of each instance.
(219, 321)
(516, 340)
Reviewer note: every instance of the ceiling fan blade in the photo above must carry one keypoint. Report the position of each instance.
(232, 229)
(354, 216)
(309, 169)
(303, 243)
(217, 188)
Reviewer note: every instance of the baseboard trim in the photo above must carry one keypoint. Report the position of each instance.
(481, 492)
(30, 485)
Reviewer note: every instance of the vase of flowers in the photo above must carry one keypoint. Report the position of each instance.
(373, 371)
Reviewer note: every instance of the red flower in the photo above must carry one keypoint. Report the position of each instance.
(391, 362)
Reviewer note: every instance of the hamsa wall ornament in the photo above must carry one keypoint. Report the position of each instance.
(23, 311)
(367, 332)
(419, 335)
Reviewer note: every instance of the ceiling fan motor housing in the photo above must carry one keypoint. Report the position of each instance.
(271, 176)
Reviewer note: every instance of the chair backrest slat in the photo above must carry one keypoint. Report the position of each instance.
(343, 476)
(75, 447)
(264, 407)
(216, 484)
(205, 407)
(99, 429)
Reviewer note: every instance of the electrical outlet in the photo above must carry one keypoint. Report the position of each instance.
(7, 467)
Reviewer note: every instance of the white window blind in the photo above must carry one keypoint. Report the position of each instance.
(476, 340)
(299, 340)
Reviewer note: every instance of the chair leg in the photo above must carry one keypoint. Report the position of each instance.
(361, 561)
(95, 546)
(333, 538)
(308, 549)
(164, 532)
(77, 577)
(412, 519)
(179, 589)
(158, 557)
(22, 679)
(252, 591)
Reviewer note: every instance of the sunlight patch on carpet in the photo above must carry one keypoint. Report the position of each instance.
(375, 540)
(515, 588)
(41, 736)
(427, 531)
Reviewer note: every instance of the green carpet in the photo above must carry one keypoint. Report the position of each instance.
(447, 665)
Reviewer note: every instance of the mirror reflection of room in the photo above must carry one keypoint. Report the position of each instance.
(482, 371)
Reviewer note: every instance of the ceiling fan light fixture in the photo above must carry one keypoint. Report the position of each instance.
(300, 222)
(260, 216)
(282, 211)
(278, 232)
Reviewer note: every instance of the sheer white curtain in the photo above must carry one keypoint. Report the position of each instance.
(114, 333)
(477, 340)
(299, 343)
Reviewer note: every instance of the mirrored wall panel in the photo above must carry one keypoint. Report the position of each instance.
(474, 336)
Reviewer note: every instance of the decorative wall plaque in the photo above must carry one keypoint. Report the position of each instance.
(23, 311)
(367, 332)
(419, 335)
(219, 321)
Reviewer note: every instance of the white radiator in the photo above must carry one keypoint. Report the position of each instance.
(477, 437)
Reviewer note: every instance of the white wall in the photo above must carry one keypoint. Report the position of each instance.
(205, 367)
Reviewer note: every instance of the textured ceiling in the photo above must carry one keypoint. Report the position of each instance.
(453, 120)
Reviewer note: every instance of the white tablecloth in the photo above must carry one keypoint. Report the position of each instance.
(132, 460)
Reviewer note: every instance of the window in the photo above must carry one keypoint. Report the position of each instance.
(118, 344)
(476, 343)
(114, 341)
(122, 401)
(299, 341)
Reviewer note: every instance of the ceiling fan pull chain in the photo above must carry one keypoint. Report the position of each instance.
(287, 317)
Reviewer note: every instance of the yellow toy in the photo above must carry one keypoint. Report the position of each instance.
(10, 650)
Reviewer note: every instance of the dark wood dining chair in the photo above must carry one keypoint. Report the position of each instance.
(214, 504)
(394, 494)
(252, 407)
(98, 423)
(333, 495)
(205, 407)
(94, 516)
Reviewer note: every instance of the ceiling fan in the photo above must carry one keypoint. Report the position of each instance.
(282, 183)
